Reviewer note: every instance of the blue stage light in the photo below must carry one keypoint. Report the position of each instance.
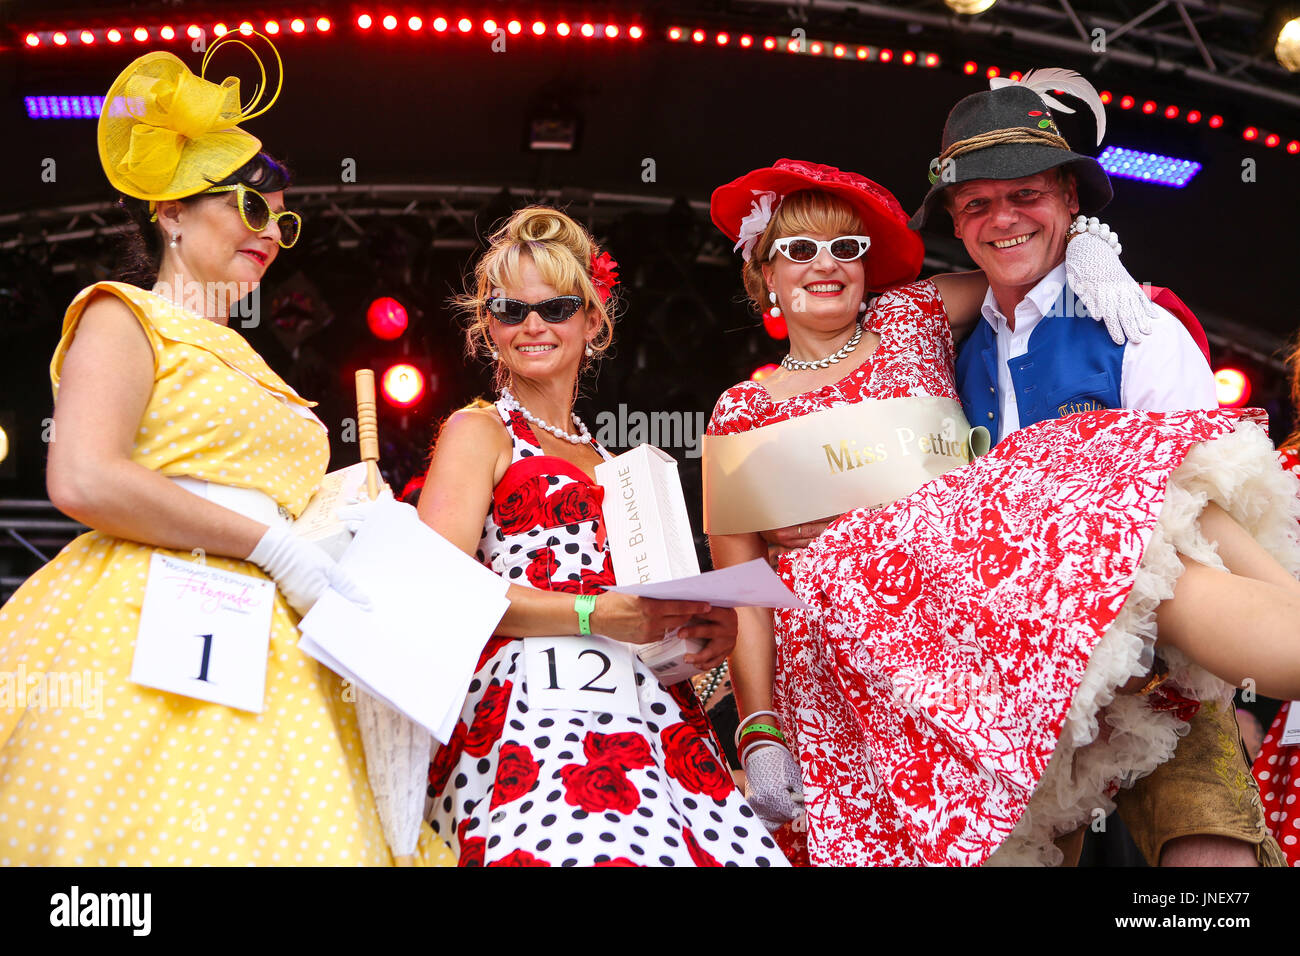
(1148, 167)
(63, 107)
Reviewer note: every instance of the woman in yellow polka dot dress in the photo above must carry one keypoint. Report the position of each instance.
(161, 411)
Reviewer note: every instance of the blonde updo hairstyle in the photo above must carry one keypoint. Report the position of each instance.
(800, 213)
(562, 251)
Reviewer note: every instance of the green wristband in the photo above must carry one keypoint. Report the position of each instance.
(763, 729)
(584, 604)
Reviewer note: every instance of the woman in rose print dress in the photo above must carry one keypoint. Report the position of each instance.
(607, 768)
(976, 643)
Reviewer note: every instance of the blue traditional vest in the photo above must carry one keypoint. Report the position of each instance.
(1071, 366)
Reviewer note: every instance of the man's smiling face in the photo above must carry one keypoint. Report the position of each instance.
(1014, 229)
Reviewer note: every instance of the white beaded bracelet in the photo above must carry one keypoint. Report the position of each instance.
(1097, 228)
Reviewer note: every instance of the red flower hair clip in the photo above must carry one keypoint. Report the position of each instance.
(604, 274)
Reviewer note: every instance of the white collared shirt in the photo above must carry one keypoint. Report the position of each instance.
(1164, 372)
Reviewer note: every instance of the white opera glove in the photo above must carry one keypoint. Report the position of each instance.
(355, 512)
(301, 570)
(1103, 285)
(772, 784)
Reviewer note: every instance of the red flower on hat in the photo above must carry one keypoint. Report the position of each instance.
(604, 274)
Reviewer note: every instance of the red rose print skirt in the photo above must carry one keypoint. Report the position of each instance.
(523, 786)
(952, 691)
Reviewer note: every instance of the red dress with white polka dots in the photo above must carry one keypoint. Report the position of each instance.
(1277, 768)
(519, 785)
(963, 644)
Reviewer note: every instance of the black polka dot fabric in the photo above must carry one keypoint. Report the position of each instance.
(519, 785)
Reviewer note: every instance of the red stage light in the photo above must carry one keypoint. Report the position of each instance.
(838, 49)
(792, 46)
(769, 43)
(674, 33)
(402, 385)
(886, 56)
(864, 52)
(1250, 133)
(635, 32)
(723, 39)
(1105, 96)
(414, 24)
(1126, 102)
(775, 326)
(909, 57)
(563, 29)
(59, 39)
(463, 25)
(365, 21)
(589, 29)
(969, 67)
(489, 26)
(1193, 116)
(1293, 147)
(167, 33)
(698, 36)
(513, 27)
(1232, 387)
(1015, 75)
(323, 24)
(193, 31)
(440, 24)
(387, 318)
(746, 41)
(220, 30)
(246, 28)
(762, 372)
(611, 31)
(538, 28)
(390, 22)
(932, 59)
(1149, 107)
(272, 27)
(1171, 112)
(1271, 140)
(297, 25)
(32, 40)
(816, 48)
(992, 72)
(1216, 121)
(114, 36)
(87, 37)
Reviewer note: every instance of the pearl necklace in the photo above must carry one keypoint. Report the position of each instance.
(578, 439)
(176, 305)
(795, 365)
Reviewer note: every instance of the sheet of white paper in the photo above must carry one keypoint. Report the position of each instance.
(752, 584)
(1291, 731)
(433, 609)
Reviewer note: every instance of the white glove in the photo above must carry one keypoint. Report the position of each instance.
(301, 570)
(355, 512)
(772, 785)
(1105, 288)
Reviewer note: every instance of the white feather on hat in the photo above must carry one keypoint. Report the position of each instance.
(1045, 81)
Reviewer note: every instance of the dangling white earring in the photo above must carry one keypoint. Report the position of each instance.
(590, 350)
(775, 311)
(496, 356)
(175, 237)
(862, 307)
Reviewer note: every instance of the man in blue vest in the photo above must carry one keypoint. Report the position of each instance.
(1014, 189)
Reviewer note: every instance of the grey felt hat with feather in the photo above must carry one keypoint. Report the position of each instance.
(1009, 132)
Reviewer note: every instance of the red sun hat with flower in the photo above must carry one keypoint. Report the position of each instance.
(743, 205)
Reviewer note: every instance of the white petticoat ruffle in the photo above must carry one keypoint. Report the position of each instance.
(1240, 472)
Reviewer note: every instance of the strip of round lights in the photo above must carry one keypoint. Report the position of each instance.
(803, 46)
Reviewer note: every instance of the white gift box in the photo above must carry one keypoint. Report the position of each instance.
(319, 522)
(649, 539)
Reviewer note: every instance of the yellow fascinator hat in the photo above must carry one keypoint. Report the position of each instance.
(165, 133)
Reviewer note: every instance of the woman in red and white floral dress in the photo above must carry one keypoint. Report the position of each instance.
(1277, 767)
(968, 647)
(544, 769)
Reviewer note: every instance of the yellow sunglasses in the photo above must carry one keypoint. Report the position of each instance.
(257, 215)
